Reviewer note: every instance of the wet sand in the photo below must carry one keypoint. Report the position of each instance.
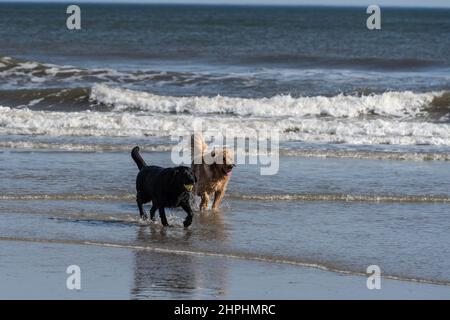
(37, 271)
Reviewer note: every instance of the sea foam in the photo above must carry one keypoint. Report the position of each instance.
(390, 104)
(116, 124)
(398, 118)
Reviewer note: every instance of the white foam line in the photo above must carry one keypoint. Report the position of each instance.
(343, 197)
(259, 197)
(350, 154)
(125, 124)
(79, 147)
(67, 197)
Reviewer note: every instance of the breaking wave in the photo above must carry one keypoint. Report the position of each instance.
(396, 118)
(390, 104)
(19, 73)
(120, 124)
(397, 105)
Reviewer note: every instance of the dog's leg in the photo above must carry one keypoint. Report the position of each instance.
(153, 211)
(218, 195)
(141, 207)
(204, 202)
(162, 214)
(186, 207)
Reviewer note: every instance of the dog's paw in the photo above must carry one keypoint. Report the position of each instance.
(187, 222)
(144, 217)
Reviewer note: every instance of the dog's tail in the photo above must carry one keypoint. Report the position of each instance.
(137, 158)
(198, 148)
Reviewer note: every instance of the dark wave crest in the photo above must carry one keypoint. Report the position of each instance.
(57, 99)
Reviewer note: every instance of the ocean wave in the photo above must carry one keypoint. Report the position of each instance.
(19, 73)
(398, 105)
(64, 99)
(120, 124)
(398, 118)
(235, 81)
(28, 72)
(390, 104)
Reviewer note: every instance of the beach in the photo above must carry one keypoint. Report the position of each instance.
(261, 244)
(111, 273)
(361, 164)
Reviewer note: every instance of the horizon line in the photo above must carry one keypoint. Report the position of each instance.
(184, 3)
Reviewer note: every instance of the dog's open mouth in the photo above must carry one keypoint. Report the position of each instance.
(189, 187)
(227, 169)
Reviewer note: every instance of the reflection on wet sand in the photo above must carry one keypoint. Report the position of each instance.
(176, 276)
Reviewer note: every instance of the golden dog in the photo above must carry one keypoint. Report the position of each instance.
(212, 175)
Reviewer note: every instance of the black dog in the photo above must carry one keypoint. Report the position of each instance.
(164, 187)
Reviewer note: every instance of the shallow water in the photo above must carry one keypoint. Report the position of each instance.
(70, 197)
(363, 123)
